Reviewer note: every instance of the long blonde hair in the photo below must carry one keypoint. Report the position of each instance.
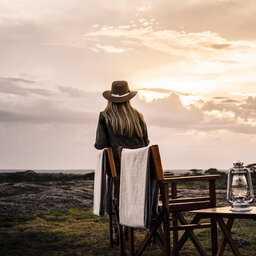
(124, 119)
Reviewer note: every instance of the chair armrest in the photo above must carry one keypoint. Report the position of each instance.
(190, 178)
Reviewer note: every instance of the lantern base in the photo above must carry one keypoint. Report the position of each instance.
(240, 207)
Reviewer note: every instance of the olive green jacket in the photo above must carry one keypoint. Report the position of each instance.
(105, 137)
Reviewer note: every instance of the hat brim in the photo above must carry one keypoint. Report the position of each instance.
(107, 95)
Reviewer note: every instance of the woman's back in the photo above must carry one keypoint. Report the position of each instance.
(120, 124)
(106, 137)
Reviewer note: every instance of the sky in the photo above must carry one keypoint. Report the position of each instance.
(192, 62)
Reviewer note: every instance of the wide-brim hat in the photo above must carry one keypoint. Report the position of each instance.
(119, 92)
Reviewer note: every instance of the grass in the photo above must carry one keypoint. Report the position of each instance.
(78, 232)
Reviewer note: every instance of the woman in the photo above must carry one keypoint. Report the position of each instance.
(120, 124)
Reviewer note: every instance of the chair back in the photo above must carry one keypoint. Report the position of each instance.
(156, 163)
(112, 172)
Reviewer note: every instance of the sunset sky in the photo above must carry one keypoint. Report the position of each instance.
(192, 61)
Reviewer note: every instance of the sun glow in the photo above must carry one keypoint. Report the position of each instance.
(183, 85)
(149, 96)
(186, 99)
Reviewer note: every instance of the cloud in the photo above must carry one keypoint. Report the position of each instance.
(209, 15)
(19, 86)
(70, 105)
(16, 80)
(241, 109)
(47, 116)
(194, 60)
(73, 92)
(217, 114)
(109, 49)
(226, 124)
(12, 117)
(169, 112)
(170, 41)
(219, 46)
(164, 91)
(35, 105)
(220, 106)
(49, 110)
(225, 61)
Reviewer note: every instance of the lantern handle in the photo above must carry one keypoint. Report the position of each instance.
(238, 164)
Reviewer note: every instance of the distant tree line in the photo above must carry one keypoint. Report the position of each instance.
(31, 176)
(222, 182)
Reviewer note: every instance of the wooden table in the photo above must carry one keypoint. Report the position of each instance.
(224, 212)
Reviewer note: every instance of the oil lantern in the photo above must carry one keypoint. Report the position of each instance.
(239, 188)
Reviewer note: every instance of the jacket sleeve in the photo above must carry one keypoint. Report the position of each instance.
(101, 134)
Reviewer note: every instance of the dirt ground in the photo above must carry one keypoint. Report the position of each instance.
(28, 198)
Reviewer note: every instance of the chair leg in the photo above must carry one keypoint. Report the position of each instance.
(120, 232)
(189, 233)
(214, 236)
(121, 240)
(175, 232)
(175, 220)
(110, 220)
(131, 241)
(115, 230)
(159, 237)
(148, 237)
(164, 191)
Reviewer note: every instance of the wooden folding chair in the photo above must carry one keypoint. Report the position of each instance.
(114, 214)
(160, 227)
(176, 206)
(113, 211)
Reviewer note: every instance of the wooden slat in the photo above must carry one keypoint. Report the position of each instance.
(186, 200)
(180, 207)
(191, 226)
(189, 199)
(190, 178)
(167, 175)
(154, 219)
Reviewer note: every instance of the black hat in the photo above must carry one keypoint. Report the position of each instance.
(119, 93)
